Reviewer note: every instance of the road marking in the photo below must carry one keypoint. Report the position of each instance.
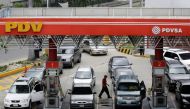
(173, 102)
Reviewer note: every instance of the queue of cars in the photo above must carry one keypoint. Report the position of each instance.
(178, 75)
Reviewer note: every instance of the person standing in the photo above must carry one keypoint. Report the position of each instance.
(104, 87)
(142, 49)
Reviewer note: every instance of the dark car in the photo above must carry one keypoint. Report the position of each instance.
(183, 93)
(69, 56)
(129, 92)
(119, 72)
(175, 71)
(118, 61)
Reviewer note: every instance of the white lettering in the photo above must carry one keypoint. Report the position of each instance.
(172, 30)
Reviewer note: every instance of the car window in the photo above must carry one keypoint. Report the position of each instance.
(120, 62)
(19, 89)
(38, 88)
(174, 56)
(128, 87)
(83, 75)
(82, 90)
(168, 55)
(35, 73)
(65, 51)
(185, 89)
(185, 56)
(177, 70)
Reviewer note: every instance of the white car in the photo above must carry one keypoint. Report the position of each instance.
(22, 93)
(182, 55)
(85, 75)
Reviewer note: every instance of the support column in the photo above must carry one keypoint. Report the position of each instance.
(52, 51)
(159, 50)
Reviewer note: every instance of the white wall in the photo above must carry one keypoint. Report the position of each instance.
(167, 3)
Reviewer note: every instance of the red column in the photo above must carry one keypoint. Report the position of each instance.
(52, 51)
(159, 50)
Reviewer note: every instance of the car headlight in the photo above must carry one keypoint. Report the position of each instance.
(6, 100)
(119, 98)
(89, 102)
(73, 102)
(24, 100)
(137, 98)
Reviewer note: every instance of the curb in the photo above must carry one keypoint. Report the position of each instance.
(17, 70)
(125, 50)
(145, 56)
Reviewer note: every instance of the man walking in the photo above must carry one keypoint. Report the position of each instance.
(104, 87)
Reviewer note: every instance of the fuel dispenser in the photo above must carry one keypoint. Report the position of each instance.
(159, 96)
(53, 91)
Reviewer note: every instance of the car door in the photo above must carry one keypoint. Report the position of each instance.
(110, 65)
(37, 93)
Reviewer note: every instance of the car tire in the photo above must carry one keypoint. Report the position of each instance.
(79, 60)
(30, 105)
(6, 108)
(72, 64)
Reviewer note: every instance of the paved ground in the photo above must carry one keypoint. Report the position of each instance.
(141, 67)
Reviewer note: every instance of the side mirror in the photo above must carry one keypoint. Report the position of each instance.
(69, 91)
(176, 58)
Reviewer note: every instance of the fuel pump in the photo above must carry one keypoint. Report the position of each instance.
(159, 96)
(53, 91)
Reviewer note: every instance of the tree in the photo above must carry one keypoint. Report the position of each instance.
(37, 3)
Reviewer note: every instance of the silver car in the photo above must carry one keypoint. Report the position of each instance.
(85, 75)
(82, 96)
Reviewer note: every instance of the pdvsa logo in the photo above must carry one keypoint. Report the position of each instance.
(157, 30)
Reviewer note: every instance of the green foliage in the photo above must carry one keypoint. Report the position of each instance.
(18, 5)
(3, 68)
(1, 5)
(37, 3)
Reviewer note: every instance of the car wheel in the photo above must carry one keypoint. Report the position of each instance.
(79, 60)
(72, 64)
(30, 105)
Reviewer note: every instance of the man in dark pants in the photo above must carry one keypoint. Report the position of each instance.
(104, 87)
(141, 49)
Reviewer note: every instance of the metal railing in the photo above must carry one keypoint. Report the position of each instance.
(95, 12)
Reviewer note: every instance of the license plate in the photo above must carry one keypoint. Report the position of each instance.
(128, 102)
(15, 105)
(81, 106)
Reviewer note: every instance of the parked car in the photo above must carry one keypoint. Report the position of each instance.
(85, 75)
(118, 61)
(23, 92)
(120, 71)
(129, 92)
(183, 93)
(82, 96)
(38, 73)
(175, 71)
(178, 54)
(69, 55)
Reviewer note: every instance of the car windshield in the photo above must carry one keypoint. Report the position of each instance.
(178, 70)
(83, 75)
(185, 89)
(65, 51)
(19, 89)
(34, 73)
(82, 90)
(128, 87)
(120, 62)
(185, 56)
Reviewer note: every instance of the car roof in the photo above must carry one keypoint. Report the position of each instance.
(67, 47)
(84, 69)
(177, 50)
(128, 78)
(119, 57)
(185, 81)
(22, 81)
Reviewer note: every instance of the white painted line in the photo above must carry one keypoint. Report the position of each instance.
(173, 102)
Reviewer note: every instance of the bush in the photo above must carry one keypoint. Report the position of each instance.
(3, 68)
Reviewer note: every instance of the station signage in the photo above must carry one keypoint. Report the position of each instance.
(157, 30)
(23, 27)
